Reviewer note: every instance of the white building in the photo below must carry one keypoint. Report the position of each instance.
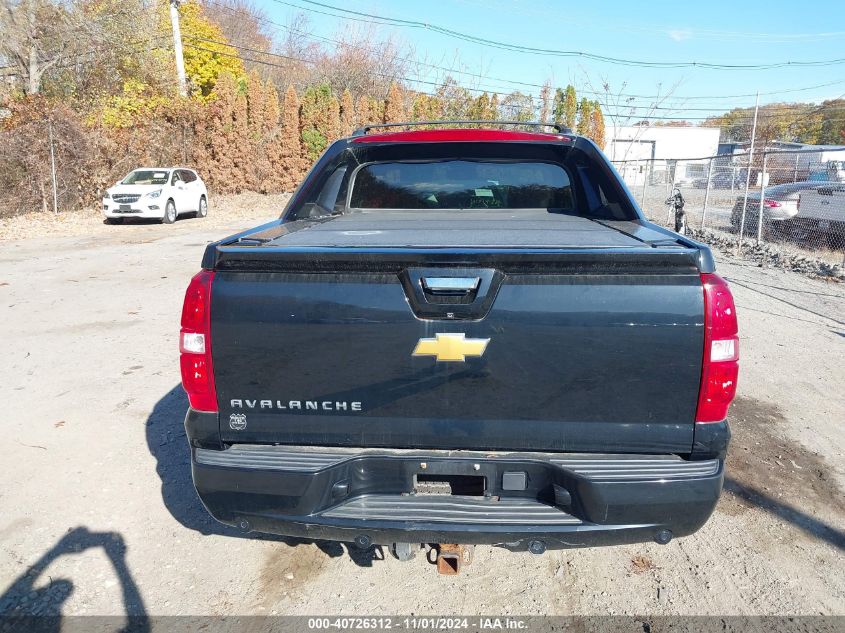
(667, 154)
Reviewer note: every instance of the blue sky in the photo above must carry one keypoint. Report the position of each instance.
(712, 31)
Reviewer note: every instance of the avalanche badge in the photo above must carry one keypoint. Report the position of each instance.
(450, 347)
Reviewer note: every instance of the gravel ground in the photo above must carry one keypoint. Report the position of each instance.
(225, 213)
(98, 515)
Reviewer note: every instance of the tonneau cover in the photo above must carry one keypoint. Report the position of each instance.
(507, 228)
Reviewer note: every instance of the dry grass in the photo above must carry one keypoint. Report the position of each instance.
(641, 564)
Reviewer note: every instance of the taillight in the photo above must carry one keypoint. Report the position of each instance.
(720, 362)
(195, 343)
(772, 204)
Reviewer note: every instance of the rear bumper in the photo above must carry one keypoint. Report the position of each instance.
(569, 500)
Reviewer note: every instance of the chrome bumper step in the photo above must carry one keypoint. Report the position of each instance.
(590, 466)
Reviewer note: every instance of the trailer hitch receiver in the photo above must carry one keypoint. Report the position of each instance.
(451, 558)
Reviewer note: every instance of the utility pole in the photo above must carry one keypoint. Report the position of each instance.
(748, 173)
(177, 47)
(53, 167)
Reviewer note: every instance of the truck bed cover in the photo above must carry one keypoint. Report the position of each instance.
(510, 228)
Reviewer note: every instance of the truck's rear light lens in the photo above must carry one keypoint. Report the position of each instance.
(772, 204)
(720, 361)
(192, 343)
(195, 344)
(723, 350)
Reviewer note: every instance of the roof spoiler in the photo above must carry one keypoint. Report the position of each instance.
(560, 129)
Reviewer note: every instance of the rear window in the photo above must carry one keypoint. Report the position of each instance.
(461, 184)
(417, 177)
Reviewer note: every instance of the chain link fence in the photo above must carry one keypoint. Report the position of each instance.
(801, 193)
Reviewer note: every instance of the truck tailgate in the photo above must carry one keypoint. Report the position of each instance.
(558, 351)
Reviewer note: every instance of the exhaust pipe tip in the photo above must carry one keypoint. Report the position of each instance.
(362, 541)
(663, 537)
(537, 547)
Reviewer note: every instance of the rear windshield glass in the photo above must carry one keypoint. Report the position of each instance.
(461, 184)
(146, 177)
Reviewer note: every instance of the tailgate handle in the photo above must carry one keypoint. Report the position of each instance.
(450, 285)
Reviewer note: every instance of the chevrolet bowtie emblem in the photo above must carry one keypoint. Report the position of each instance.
(450, 347)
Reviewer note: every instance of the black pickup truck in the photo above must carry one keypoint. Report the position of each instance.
(463, 336)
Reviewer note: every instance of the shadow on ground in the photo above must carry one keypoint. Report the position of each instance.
(768, 470)
(754, 478)
(167, 442)
(33, 602)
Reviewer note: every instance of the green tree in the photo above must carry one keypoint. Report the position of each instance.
(316, 120)
(584, 117)
(798, 122)
(566, 106)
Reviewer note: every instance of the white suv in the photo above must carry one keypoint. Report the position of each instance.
(156, 192)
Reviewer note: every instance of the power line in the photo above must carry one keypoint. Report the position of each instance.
(650, 107)
(528, 84)
(377, 19)
(619, 107)
(617, 115)
(620, 110)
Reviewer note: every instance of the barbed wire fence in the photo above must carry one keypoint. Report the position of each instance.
(801, 193)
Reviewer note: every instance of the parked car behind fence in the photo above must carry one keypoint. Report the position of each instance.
(803, 212)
